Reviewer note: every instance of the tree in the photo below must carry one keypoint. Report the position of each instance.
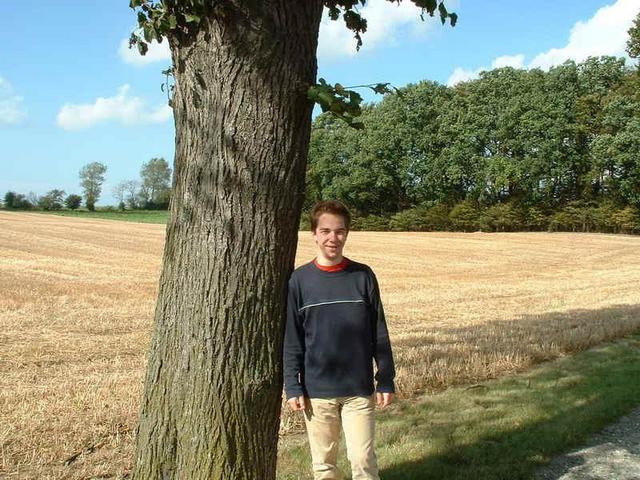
(91, 180)
(9, 199)
(242, 72)
(17, 201)
(156, 181)
(131, 193)
(119, 191)
(73, 201)
(52, 200)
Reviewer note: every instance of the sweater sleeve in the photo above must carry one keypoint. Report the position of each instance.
(382, 346)
(293, 352)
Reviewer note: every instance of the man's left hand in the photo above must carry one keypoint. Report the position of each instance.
(383, 399)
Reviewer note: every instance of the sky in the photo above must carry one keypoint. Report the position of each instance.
(71, 92)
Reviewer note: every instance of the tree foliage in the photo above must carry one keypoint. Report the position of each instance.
(160, 19)
(156, 183)
(17, 201)
(73, 201)
(502, 145)
(52, 200)
(91, 179)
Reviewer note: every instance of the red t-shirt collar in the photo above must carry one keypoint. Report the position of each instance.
(332, 268)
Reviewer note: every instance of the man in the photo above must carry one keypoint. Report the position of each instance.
(335, 331)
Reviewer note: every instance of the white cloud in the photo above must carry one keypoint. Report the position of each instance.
(515, 61)
(157, 52)
(12, 111)
(386, 24)
(122, 108)
(605, 33)
(462, 75)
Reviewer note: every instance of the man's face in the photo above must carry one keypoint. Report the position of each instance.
(330, 236)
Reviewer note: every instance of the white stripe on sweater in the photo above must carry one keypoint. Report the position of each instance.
(330, 303)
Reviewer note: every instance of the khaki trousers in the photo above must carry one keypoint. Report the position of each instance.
(323, 418)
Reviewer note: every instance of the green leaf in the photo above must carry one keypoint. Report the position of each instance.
(431, 6)
(191, 18)
(355, 97)
(453, 17)
(147, 33)
(443, 12)
(173, 23)
(325, 99)
(381, 88)
(143, 48)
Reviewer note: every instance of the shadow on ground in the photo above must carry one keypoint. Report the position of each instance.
(507, 428)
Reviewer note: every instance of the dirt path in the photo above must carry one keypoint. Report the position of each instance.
(613, 454)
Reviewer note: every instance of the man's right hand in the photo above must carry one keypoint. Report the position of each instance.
(297, 403)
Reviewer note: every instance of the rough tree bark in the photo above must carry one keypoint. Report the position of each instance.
(211, 402)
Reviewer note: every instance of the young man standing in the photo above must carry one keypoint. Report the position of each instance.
(335, 331)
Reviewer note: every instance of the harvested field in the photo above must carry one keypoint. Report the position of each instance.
(77, 298)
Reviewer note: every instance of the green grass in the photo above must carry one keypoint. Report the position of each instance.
(502, 429)
(143, 216)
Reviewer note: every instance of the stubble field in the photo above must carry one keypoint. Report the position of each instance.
(77, 299)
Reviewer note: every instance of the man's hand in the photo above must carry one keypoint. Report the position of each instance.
(383, 399)
(297, 403)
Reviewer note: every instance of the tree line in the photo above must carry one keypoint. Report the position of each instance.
(513, 150)
(151, 192)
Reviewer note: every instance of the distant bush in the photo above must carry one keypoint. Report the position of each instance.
(17, 201)
(465, 216)
(305, 222)
(73, 201)
(372, 223)
(535, 219)
(627, 220)
(511, 216)
(421, 219)
(580, 216)
(52, 200)
(410, 220)
(503, 217)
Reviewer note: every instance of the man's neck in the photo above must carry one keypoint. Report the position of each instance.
(326, 262)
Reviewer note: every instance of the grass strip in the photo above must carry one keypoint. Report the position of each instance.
(141, 216)
(502, 429)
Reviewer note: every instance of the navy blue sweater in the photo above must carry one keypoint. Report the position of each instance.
(335, 331)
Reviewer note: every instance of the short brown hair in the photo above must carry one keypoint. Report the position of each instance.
(329, 206)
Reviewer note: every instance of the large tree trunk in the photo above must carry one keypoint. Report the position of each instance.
(213, 387)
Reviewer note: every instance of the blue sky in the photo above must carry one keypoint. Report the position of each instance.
(71, 94)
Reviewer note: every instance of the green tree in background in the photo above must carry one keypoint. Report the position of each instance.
(73, 201)
(156, 183)
(528, 142)
(91, 179)
(17, 201)
(52, 200)
(9, 199)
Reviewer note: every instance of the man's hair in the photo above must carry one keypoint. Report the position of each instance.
(329, 206)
